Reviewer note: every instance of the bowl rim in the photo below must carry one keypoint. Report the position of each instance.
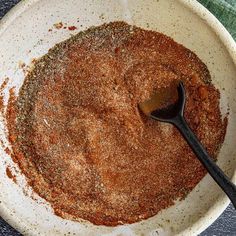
(227, 40)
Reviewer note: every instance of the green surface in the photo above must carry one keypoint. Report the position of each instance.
(225, 11)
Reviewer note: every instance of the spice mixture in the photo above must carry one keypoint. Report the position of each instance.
(79, 137)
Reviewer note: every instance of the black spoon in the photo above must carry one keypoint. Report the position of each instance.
(168, 106)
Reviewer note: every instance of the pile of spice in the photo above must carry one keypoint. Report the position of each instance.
(80, 139)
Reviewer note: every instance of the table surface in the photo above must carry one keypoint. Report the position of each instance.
(224, 226)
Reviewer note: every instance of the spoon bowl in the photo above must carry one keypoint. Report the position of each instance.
(173, 113)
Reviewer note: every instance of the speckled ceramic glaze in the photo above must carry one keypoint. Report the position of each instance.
(24, 35)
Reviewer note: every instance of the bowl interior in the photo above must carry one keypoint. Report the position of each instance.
(25, 35)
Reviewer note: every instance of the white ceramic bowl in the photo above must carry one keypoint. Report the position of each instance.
(24, 35)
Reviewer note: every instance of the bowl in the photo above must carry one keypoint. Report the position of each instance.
(28, 31)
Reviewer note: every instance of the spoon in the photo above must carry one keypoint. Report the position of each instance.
(168, 106)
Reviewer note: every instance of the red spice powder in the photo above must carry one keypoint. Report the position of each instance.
(72, 28)
(80, 139)
(1, 103)
(11, 114)
(7, 150)
(2, 87)
(4, 84)
(10, 175)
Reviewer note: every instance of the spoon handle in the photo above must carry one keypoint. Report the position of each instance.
(217, 174)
